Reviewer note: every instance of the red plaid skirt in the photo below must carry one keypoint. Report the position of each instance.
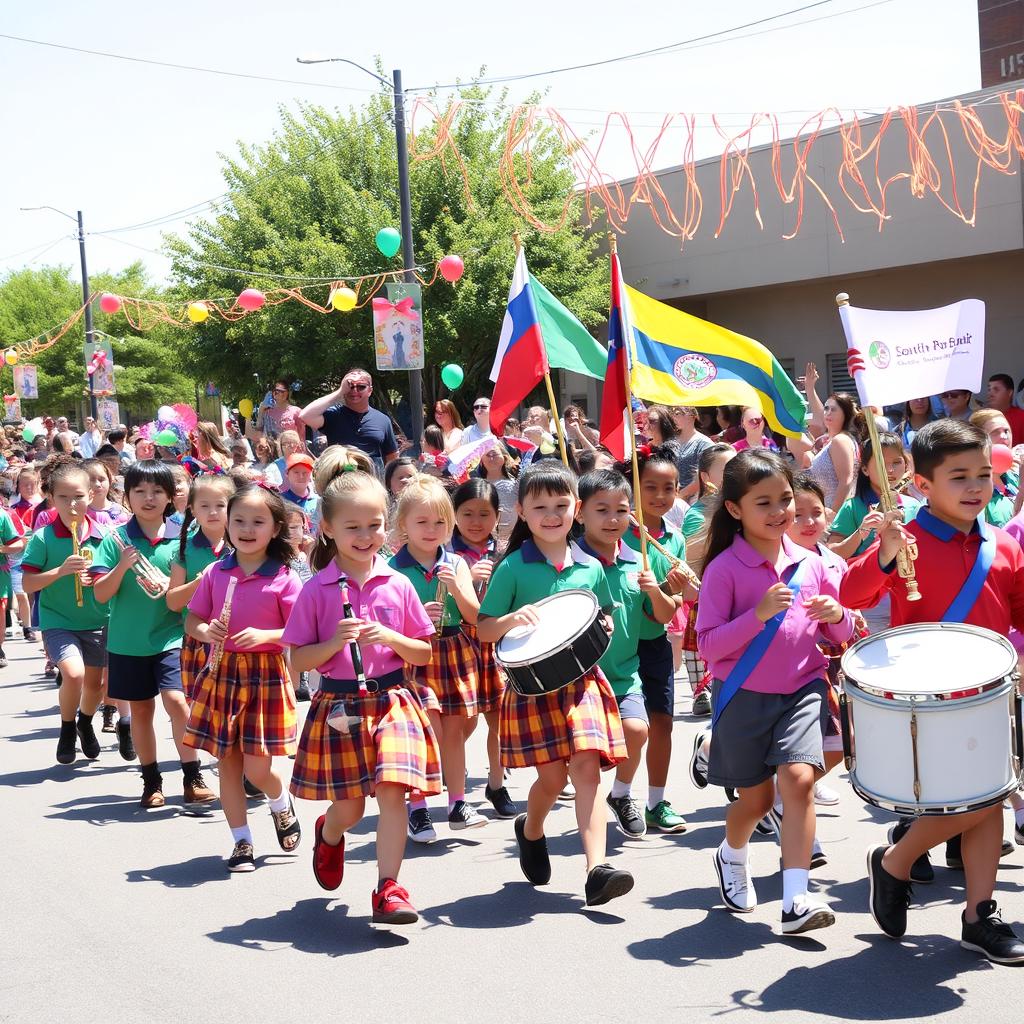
(248, 702)
(581, 716)
(194, 656)
(490, 678)
(393, 743)
(696, 666)
(690, 632)
(452, 675)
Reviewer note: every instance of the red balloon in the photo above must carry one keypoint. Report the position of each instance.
(251, 298)
(1002, 459)
(110, 303)
(452, 268)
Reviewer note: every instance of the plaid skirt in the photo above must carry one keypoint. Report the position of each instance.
(452, 675)
(248, 702)
(393, 743)
(581, 716)
(194, 656)
(696, 667)
(490, 678)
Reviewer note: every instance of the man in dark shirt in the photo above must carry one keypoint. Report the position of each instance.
(345, 417)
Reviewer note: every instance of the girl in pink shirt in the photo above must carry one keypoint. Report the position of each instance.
(764, 593)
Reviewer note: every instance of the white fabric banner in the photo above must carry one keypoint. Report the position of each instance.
(904, 354)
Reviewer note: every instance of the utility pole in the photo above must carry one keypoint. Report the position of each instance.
(90, 337)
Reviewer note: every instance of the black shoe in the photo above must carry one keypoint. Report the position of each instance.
(108, 711)
(628, 819)
(922, 873)
(125, 746)
(302, 693)
(807, 915)
(990, 937)
(3, 658)
(463, 816)
(87, 737)
(503, 804)
(955, 860)
(250, 789)
(890, 897)
(30, 635)
(66, 745)
(533, 855)
(604, 883)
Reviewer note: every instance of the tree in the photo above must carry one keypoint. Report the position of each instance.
(309, 203)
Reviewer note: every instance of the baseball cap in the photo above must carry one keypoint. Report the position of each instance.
(299, 459)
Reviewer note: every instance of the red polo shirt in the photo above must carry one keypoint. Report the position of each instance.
(1015, 417)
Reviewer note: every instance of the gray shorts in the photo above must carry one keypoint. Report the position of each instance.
(88, 644)
(633, 706)
(759, 731)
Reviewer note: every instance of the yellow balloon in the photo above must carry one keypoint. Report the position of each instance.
(343, 299)
(245, 407)
(11, 356)
(198, 312)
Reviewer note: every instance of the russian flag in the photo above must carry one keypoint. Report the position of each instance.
(615, 417)
(521, 360)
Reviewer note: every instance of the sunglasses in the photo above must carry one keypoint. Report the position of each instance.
(755, 421)
(359, 387)
(280, 391)
(478, 408)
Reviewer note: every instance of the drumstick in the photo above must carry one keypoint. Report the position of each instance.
(353, 647)
(691, 577)
(217, 652)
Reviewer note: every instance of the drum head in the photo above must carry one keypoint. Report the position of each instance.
(564, 617)
(932, 658)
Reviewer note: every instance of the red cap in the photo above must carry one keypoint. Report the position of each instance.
(299, 459)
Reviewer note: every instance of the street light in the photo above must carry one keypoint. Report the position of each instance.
(89, 336)
(405, 207)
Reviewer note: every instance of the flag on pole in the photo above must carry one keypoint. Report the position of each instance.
(896, 355)
(569, 345)
(616, 419)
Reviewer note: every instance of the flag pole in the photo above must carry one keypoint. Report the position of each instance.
(637, 499)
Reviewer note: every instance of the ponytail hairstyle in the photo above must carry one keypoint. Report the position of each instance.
(67, 467)
(347, 483)
(888, 442)
(335, 460)
(748, 469)
(280, 548)
(203, 481)
(707, 460)
(150, 472)
(475, 488)
(544, 477)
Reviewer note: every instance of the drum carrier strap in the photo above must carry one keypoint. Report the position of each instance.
(756, 648)
(963, 603)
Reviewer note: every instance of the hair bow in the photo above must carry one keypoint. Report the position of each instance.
(349, 467)
(267, 487)
(644, 450)
(383, 307)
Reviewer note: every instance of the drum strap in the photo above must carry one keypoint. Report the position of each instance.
(963, 603)
(756, 648)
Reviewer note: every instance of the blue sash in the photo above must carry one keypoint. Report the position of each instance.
(963, 603)
(756, 649)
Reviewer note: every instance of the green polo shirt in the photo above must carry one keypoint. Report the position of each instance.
(199, 553)
(671, 540)
(139, 625)
(48, 549)
(693, 521)
(853, 511)
(425, 582)
(8, 532)
(999, 510)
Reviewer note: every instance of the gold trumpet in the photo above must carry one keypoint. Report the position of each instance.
(217, 651)
(79, 552)
(692, 578)
(440, 597)
(907, 555)
(153, 582)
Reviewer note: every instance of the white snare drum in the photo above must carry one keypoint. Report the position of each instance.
(931, 718)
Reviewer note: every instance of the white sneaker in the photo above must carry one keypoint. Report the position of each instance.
(699, 760)
(735, 884)
(823, 796)
(806, 915)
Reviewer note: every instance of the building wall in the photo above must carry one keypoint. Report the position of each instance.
(1001, 37)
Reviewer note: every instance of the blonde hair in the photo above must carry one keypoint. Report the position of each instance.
(211, 435)
(983, 418)
(334, 492)
(429, 491)
(338, 459)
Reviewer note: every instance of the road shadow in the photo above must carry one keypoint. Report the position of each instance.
(36, 712)
(60, 773)
(319, 926)
(111, 810)
(717, 936)
(46, 733)
(513, 905)
(201, 870)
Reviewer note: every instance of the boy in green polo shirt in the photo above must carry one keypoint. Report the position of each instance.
(605, 497)
(11, 542)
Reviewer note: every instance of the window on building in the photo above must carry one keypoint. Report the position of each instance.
(837, 376)
(789, 365)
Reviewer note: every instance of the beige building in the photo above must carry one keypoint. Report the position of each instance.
(781, 292)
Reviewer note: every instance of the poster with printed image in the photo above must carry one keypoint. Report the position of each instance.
(12, 408)
(100, 356)
(26, 382)
(398, 328)
(108, 415)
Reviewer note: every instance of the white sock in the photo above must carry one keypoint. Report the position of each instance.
(734, 856)
(620, 789)
(281, 803)
(238, 834)
(794, 882)
(655, 794)
(1018, 815)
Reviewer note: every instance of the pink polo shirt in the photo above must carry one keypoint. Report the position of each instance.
(263, 600)
(732, 586)
(386, 597)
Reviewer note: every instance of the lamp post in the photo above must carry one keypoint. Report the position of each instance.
(405, 210)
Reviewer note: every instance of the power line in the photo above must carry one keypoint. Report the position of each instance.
(33, 248)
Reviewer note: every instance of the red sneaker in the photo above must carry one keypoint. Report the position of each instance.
(391, 905)
(328, 861)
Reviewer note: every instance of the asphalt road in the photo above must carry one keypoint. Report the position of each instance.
(113, 914)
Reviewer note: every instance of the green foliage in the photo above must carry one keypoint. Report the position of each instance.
(309, 203)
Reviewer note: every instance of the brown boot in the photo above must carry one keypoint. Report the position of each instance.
(196, 790)
(152, 787)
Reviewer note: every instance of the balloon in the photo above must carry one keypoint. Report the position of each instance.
(452, 376)
(251, 298)
(110, 303)
(28, 434)
(1002, 459)
(452, 268)
(198, 312)
(389, 241)
(343, 299)
(11, 356)
(165, 438)
(245, 407)
(165, 412)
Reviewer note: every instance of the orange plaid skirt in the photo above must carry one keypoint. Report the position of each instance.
(194, 656)
(552, 727)
(452, 674)
(248, 702)
(393, 743)
(490, 678)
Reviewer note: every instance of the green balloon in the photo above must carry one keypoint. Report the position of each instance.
(28, 434)
(166, 439)
(452, 376)
(389, 241)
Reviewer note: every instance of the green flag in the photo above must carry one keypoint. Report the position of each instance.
(570, 346)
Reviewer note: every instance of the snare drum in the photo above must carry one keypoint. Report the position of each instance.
(932, 719)
(566, 644)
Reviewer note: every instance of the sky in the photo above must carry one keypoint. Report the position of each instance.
(128, 142)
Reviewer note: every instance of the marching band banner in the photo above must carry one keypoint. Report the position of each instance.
(896, 355)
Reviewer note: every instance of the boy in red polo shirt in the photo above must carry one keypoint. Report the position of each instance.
(953, 468)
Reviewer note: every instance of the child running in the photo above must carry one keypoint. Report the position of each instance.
(764, 601)
(382, 744)
(243, 710)
(575, 730)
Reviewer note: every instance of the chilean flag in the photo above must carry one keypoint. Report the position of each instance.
(521, 360)
(615, 417)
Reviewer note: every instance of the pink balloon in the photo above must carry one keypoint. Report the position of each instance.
(251, 298)
(110, 303)
(452, 268)
(1002, 459)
